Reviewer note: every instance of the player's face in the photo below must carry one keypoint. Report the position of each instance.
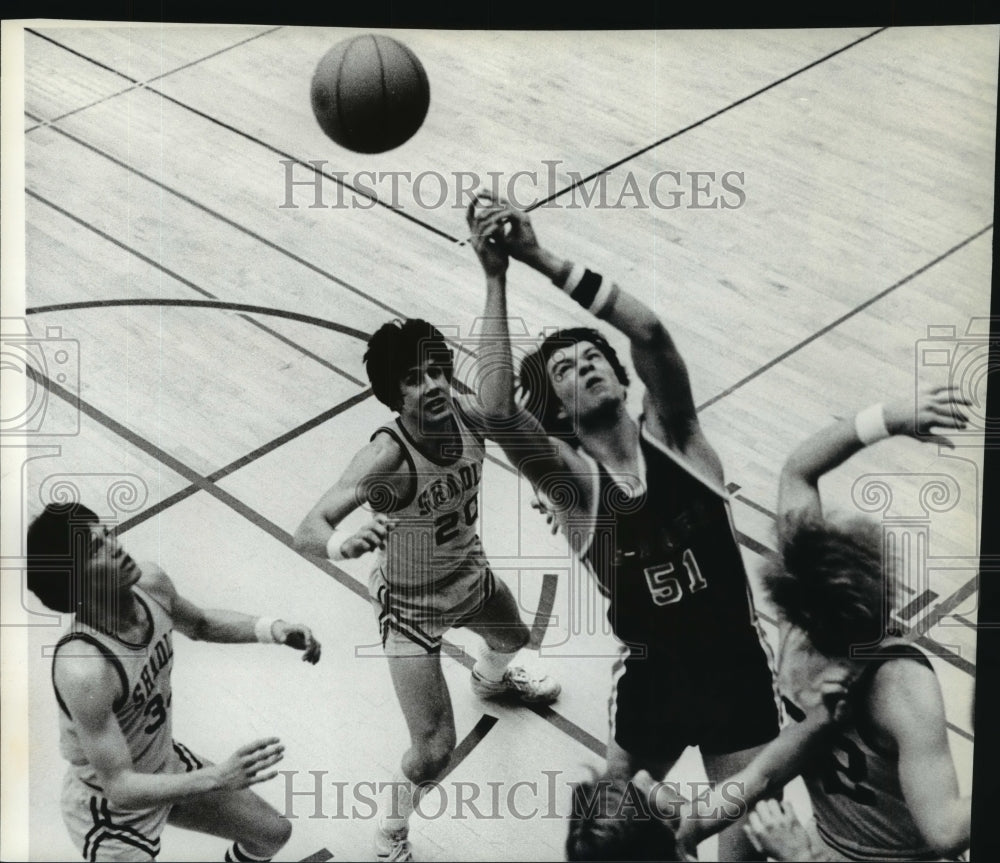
(109, 569)
(803, 672)
(584, 380)
(426, 395)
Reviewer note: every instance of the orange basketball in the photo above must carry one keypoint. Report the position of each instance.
(370, 93)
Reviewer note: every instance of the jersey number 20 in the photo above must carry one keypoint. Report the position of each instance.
(446, 526)
(665, 588)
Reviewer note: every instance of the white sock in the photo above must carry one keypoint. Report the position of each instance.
(492, 663)
(397, 804)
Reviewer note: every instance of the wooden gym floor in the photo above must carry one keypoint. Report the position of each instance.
(202, 327)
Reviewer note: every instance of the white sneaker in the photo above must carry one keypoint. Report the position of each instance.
(519, 685)
(392, 846)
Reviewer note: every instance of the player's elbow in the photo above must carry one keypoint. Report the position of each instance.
(950, 836)
(950, 846)
(649, 333)
(120, 792)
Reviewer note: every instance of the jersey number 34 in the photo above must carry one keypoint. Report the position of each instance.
(665, 587)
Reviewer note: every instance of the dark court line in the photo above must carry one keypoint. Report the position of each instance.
(260, 142)
(282, 536)
(543, 614)
(243, 461)
(206, 304)
(136, 84)
(917, 604)
(942, 652)
(260, 238)
(184, 281)
(753, 505)
(846, 316)
(703, 120)
(467, 744)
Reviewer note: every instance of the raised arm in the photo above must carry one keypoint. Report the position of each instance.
(668, 402)
(227, 627)
(89, 688)
(798, 488)
(551, 465)
(373, 477)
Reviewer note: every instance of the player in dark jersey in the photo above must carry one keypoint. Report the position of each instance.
(644, 503)
(881, 778)
(419, 477)
(128, 777)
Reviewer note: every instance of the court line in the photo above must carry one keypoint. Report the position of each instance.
(835, 323)
(188, 283)
(467, 744)
(221, 304)
(745, 540)
(273, 530)
(260, 238)
(243, 461)
(543, 614)
(704, 120)
(137, 84)
(288, 156)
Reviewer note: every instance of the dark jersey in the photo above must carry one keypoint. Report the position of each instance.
(669, 563)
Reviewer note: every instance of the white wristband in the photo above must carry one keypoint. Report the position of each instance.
(869, 425)
(262, 629)
(335, 541)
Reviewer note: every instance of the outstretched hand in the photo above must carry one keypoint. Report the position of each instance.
(299, 637)
(247, 765)
(936, 407)
(486, 227)
(776, 831)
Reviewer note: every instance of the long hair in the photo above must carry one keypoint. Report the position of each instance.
(536, 387)
(398, 346)
(829, 580)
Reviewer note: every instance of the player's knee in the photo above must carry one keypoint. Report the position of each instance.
(274, 834)
(436, 752)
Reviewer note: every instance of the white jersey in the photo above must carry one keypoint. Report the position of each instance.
(439, 519)
(143, 709)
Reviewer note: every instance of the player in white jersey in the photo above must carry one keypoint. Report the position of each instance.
(420, 477)
(881, 778)
(128, 777)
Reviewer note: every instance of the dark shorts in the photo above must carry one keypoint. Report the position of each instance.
(663, 703)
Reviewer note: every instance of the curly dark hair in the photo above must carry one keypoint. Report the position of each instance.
(612, 821)
(398, 346)
(534, 381)
(829, 581)
(54, 567)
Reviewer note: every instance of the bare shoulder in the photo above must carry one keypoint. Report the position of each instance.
(383, 452)
(905, 694)
(82, 673)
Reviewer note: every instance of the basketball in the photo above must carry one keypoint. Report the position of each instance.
(370, 93)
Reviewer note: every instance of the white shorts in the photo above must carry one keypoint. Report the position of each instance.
(412, 622)
(102, 831)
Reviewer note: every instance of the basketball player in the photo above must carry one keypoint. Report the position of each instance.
(645, 505)
(883, 783)
(420, 475)
(128, 777)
